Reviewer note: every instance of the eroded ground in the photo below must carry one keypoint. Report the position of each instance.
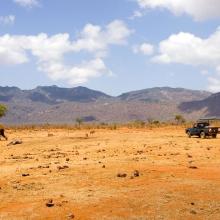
(179, 178)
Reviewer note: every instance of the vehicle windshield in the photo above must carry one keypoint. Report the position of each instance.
(201, 125)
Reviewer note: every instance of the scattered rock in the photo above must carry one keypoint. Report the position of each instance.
(67, 159)
(136, 173)
(70, 216)
(189, 156)
(123, 175)
(62, 167)
(50, 203)
(25, 174)
(193, 167)
(103, 166)
(50, 135)
(15, 142)
(43, 166)
(59, 204)
(193, 212)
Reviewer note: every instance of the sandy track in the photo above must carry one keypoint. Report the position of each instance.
(80, 175)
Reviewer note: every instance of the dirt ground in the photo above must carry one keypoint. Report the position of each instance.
(111, 174)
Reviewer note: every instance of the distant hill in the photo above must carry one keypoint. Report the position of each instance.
(51, 94)
(164, 94)
(52, 104)
(210, 106)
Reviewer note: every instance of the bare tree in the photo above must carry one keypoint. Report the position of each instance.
(79, 121)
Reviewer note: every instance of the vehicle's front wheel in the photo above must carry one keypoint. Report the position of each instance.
(203, 135)
(189, 134)
(214, 136)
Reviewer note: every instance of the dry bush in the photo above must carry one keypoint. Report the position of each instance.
(138, 124)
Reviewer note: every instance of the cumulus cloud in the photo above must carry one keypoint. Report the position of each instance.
(11, 50)
(75, 74)
(145, 48)
(186, 48)
(95, 39)
(198, 9)
(7, 20)
(50, 51)
(27, 3)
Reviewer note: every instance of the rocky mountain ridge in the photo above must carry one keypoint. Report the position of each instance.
(52, 104)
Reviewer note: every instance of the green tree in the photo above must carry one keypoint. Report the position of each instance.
(3, 110)
(79, 121)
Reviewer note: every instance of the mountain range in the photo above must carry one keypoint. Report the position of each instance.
(52, 104)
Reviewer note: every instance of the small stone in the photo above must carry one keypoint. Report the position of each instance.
(15, 142)
(25, 174)
(123, 175)
(189, 156)
(136, 173)
(193, 167)
(71, 216)
(67, 159)
(103, 166)
(62, 167)
(50, 203)
(193, 212)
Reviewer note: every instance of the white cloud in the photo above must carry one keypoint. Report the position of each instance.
(186, 48)
(7, 20)
(145, 48)
(27, 3)
(198, 9)
(204, 72)
(189, 49)
(136, 14)
(11, 50)
(75, 74)
(51, 51)
(214, 84)
(95, 39)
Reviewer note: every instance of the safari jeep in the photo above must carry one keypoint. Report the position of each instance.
(203, 129)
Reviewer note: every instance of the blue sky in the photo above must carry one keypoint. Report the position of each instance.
(110, 45)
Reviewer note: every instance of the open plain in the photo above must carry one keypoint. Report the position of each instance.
(134, 174)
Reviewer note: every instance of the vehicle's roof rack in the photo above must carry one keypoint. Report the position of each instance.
(209, 119)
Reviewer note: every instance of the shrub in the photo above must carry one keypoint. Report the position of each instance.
(3, 110)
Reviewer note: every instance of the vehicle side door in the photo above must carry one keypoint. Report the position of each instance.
(195, 130)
